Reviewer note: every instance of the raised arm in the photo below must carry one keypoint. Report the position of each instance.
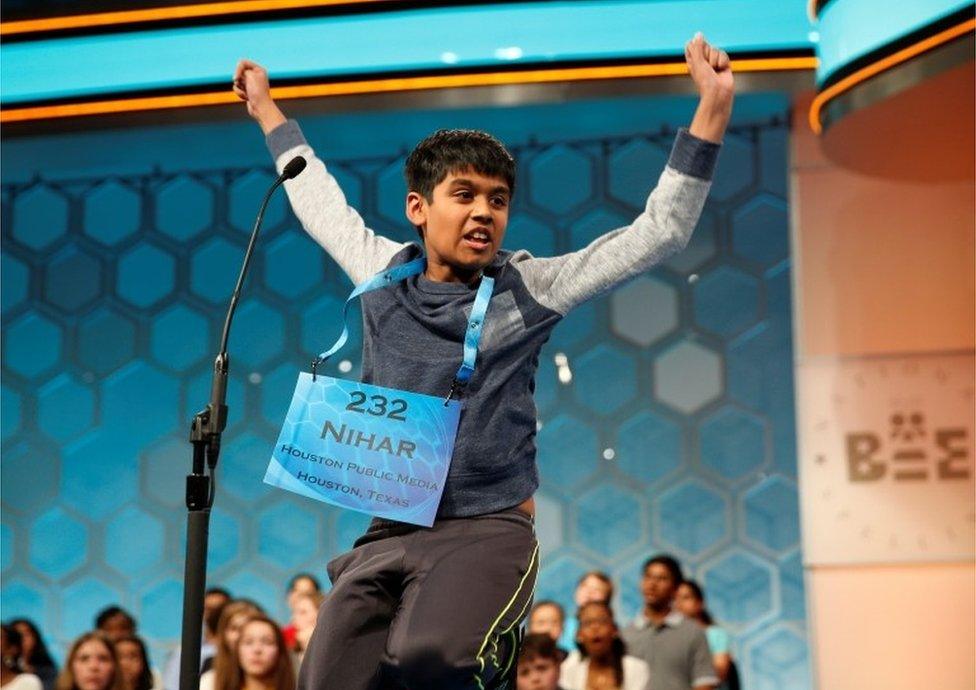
(672, 209)
(315, 195)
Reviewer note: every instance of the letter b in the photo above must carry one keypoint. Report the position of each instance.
(861, 467)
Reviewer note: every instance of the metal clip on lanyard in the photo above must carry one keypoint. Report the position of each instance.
(472, 335)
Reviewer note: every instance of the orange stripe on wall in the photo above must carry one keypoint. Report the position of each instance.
(106, 107)
(157, 14)
(885, 63)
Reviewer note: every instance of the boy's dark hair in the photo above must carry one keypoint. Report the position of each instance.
(217, 590)
(669, 562)
(453, 150)
(110, 612)
(539, 646)
(550, 602)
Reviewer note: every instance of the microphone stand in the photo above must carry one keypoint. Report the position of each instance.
(205, 431)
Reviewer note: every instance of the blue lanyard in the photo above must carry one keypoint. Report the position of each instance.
(472, 335)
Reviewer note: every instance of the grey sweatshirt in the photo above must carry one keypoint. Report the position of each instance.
(413, 331)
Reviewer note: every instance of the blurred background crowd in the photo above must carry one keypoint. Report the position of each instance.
(672, 639)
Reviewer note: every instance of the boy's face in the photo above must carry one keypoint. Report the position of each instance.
(657, 586)
(537, 673)
(463, 225)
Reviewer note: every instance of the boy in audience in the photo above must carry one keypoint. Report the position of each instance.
(673, 646)
(115, 622)
(538, 664)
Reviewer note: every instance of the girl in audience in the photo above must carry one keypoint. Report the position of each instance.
(134, 663)
(262, 658)
(690, 600)
(34, 655)
(298, 586)
(305, 613)
(229, 626)
(600, 660)
(547, 617)
(593, 586)
(91, 665)
(12, 675)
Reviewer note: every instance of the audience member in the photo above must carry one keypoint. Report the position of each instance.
(538, 663)
(593, 586)
(674, 647)
(91, 665)
(302, 583)
(305, 614)
(12, 674)
(211, 623)
(34, 655)
(261, 658)
(690, 600)
(115, 622)
(232, 619)
(214, 601)
(134, 663)
(548, 617)
(600, 660)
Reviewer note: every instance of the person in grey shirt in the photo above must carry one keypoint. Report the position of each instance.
(673, 646)
(440, 607)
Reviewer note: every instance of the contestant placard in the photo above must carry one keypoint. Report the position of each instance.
(377, 450)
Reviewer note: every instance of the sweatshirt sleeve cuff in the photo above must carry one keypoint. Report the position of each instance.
(285, 136)
(691, 155)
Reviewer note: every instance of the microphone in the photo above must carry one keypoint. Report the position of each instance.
(293, 168)
(218, 391)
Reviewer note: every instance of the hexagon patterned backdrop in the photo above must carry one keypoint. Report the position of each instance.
(666, 408)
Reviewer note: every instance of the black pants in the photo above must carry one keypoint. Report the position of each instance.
(425, 608)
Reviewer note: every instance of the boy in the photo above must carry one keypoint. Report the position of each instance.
(440, 607)
(674, 647)
(538, 663)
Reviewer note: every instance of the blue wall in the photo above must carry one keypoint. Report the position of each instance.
(120, 249)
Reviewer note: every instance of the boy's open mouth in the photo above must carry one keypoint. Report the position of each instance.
(477, 239)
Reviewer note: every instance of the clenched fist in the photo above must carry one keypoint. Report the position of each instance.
(709, 68)
(251, 86)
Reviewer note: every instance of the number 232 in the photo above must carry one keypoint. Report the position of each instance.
(381, 407)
